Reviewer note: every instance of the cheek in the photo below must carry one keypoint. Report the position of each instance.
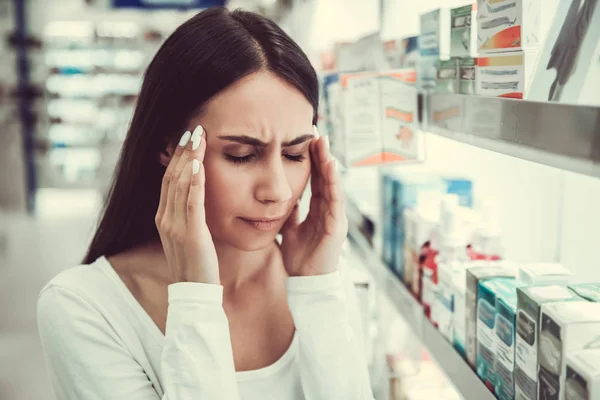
(298, 178)
(224, 188)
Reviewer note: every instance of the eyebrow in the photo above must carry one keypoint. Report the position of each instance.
(243, 139)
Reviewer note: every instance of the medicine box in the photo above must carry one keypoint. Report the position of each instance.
(447, 76)
(505, 74)
(378, 118)
(509, 25)
(529, 303)
(587, 291)
(583, 375)
(402, 53)
(504, 348)
(403, 192)
(565, 327)
(489, 292)
(434, 38)
(543, 273)
(476, 272)
(463, 25)
(467, 67)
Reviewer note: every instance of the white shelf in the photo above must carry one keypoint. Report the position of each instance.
(449, 360)
(559, 135)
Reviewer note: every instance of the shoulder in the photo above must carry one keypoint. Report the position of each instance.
(82, 288)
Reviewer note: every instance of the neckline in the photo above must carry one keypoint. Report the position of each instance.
(103, 263)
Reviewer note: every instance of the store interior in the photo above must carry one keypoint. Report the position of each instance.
(443, 135)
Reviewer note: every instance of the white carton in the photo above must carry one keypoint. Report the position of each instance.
(505, 74)
(583, 375)
(509, 25)
(529, 303)
(565, 327)
(463, 25)
(543, 273)
(434, 39)
(378, 118)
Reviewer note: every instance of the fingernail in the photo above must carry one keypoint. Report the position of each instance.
(335, 166)
(185, 139)
(197, 137)
(316, 131)
(195, 166)
(327, 142)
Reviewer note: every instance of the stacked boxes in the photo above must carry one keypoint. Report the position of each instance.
(517, 28)
(583, 375)
(565, 327)
(529, 304)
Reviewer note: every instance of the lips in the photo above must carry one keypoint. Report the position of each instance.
(263, 224)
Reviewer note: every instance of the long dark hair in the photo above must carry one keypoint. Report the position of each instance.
(202, 57)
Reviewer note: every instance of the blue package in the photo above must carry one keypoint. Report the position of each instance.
(405, 190)
(462, 187)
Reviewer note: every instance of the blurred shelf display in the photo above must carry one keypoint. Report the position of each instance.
(559, 135)
(449, 360)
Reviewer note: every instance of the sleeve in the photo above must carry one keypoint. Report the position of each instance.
(332, 362)
(88, 361)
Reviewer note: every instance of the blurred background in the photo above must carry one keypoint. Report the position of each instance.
(70, 71)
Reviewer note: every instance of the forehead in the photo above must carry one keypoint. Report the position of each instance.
(261, 105)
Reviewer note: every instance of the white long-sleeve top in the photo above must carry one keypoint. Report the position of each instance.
(100, 343)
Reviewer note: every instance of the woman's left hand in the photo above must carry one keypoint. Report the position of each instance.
(313, 247)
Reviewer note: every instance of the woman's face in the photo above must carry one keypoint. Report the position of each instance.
(257, 160)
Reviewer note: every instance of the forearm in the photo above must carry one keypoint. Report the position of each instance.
(197, 359)
(331, 360)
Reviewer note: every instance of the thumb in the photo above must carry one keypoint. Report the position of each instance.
(293, 220)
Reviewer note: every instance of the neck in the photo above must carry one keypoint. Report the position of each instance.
(238, 267)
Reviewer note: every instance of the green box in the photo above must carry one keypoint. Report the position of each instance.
(588, 291)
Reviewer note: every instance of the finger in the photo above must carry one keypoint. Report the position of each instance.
(186, 156)
(324, 157)
(167, 178)
(334, 189)
(315, 169)
(195, 200)
(182, 190)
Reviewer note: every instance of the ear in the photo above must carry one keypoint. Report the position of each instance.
(166, 154)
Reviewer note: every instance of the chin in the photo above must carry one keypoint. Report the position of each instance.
(246, 242)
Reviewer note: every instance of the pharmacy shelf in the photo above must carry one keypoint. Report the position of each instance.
(449, 360)
(559, 135)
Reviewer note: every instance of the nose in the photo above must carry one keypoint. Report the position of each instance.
(273, 186)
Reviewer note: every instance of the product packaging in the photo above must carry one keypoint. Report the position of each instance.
(565, 327)
(463, 23)
(402, 53)
(570, 59)
(583, 375)
(459, 289)
(480, 271)
(487, 238)
(529, 303)
(504, 347)
(587, 291)
(505, 74)
(428, 271)
(489, 291)
(405, 189)
(434, 39)
(543, 273)
(378, 118)
(450, 264)
(447, 76)
(504, 25)
(467, 69)
(420, 221)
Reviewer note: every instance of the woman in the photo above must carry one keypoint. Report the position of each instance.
(188, 295)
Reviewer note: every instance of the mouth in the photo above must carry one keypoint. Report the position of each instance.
(263, 224)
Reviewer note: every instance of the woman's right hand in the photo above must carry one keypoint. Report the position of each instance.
(180, 218)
